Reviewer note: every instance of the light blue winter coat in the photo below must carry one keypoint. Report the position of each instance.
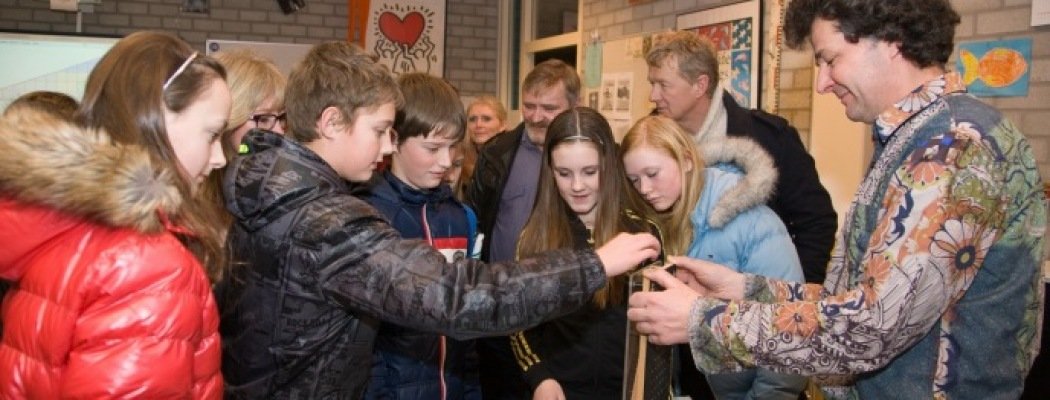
(732, 226)
(754, 241)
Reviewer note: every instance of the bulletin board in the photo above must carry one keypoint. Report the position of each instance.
(622, 93)
(58, 63)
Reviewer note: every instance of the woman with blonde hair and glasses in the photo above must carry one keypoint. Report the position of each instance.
(257, 87)
(106, 238)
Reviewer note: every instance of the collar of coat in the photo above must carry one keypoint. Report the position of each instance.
(757, 185)
(82, 172)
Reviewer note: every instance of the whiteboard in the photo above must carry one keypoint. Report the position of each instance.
(284, 55)
(57, 63)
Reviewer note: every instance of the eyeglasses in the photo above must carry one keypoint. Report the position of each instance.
(267, 121)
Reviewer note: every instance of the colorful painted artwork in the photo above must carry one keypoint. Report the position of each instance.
(997, 68)
(408, 36)
(733, 32)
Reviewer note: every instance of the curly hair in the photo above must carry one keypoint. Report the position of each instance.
(925, 29)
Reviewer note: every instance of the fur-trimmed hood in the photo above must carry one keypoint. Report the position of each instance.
(760, 176)
(82, 172)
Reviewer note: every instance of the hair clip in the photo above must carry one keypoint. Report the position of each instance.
(179, 71)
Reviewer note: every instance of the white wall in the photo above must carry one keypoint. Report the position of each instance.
(841, 148)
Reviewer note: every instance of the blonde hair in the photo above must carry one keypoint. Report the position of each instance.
(664, 135)
(252, 80)
(494, 104)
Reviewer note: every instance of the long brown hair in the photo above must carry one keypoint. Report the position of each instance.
(126, 95)
(549, 228)
(663, 134)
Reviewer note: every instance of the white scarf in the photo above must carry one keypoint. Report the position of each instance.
(716, 122)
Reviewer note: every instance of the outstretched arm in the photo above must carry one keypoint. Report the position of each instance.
(409, 283)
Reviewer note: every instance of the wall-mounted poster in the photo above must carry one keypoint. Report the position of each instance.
(735, 31)
(408, 35)
(997, 68)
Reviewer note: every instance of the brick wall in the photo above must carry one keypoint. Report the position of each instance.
(472, 28)
(470, 32)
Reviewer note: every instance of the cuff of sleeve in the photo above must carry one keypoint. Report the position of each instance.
(706, 340)
(535, 375)
(758, 289)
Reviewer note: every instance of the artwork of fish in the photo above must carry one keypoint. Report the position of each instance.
(996, 68)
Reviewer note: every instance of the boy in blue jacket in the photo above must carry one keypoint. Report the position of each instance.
(412, 195)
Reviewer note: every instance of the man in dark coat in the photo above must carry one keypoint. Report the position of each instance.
(683, 73)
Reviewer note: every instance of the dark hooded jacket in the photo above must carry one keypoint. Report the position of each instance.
(411, 364)
(321, 267)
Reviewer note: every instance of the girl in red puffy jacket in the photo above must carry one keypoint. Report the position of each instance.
(103, 237)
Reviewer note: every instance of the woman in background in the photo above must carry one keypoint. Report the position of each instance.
(257, 87)
(486, 118)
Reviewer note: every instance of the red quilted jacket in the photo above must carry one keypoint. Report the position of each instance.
(104, 303)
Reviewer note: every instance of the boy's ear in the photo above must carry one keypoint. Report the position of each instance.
(330, 122)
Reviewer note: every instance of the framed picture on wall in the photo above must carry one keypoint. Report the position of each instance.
(408, 35)
(735, 30)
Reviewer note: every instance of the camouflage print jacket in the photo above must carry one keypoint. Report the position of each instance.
(321, 267)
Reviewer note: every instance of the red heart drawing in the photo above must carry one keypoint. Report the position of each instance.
(402, 31)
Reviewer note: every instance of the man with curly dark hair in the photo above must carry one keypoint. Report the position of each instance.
(934, 289)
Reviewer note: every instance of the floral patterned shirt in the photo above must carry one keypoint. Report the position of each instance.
(934, 287)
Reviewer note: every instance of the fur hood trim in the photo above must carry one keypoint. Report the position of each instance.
(757, 185)
(55, 163)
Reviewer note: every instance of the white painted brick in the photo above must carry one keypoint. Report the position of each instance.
(1040, 44)
(663, 7)
(1035, 123)
(787, 80)
(1040, 70)
(632, 27)
(1004, 21)
(628, 14)
(795, 99)
(652, 24)
(1040, 145)
(794, 59)
(965, 28)
(1038, 98)
(683, 5)
(967, 6)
